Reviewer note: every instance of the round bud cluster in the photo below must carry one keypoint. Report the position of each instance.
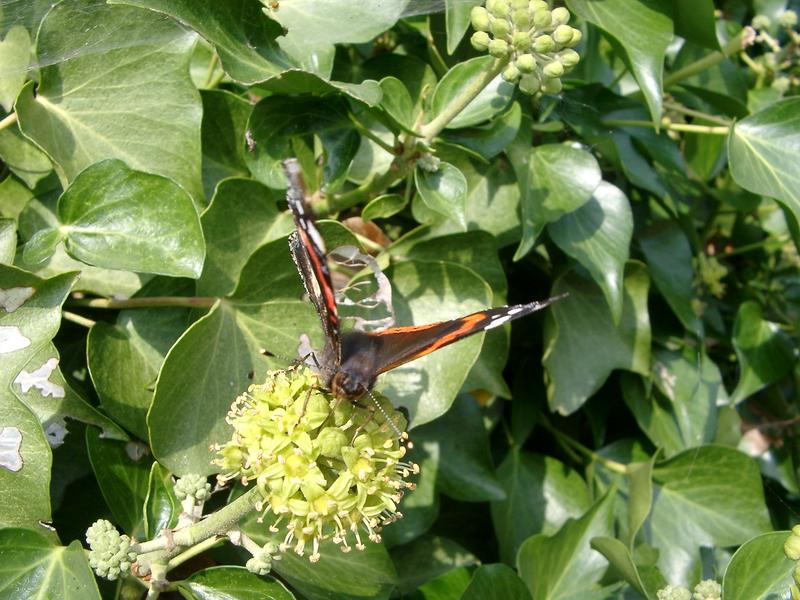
(788, 19)
(109, 554)
(325, 468)
(674, 592)
(791, 547)
(708, 589)
(536, 40)
(194, 486)
(760, 22)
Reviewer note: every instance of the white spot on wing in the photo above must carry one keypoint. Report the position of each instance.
(12, 298)
(11, 339)
(10, 441)
(40, 379)
(498, 320)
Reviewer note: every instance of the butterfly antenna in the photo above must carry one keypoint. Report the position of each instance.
(401, 435)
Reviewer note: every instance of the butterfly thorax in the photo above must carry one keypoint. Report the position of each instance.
(354, 375)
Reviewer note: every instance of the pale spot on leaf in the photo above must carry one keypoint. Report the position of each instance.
(56, 432)
(12, 298)
(10, 441)
(135, 451)
(40, 379)
(11, 340)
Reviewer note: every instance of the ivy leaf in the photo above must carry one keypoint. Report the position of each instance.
(707, 496)
(759, 569)
(118, 218)
(490, 139)
(427, 558)
(760, 151)
(396, 102)
(115, 112)
(225, 117)
(23, 157)
(232, 582)
(495, 582)
(620, 557)
(695, 21)
(766, 353)
(581, 324)
(15, 54)
(161, 507)
(8, 241)
(564, 565)
(33, 566)
(383, 207)
(598, 235)
(443, 191)
(559, 179)
(643, 29)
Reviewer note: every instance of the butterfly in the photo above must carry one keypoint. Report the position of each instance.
(351, 361)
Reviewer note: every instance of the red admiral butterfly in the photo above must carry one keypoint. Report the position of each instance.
(351, 361)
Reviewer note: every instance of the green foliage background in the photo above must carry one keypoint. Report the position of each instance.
(640, 432)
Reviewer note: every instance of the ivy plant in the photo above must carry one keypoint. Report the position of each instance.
(637, 159)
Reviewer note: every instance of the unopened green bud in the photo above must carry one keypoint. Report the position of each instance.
(500, 28)
(480, 40)
(521, 19)
(563, 34)
(511, 73)
(675, 592)
(553, 69)
(331, 440)
(543, 44)
(788, 19)
(529, 84)
(577, 35)
(498, 8)
(526, 63)
(542, 18)
(796, 574)
(517, 4)
(521, 40)
(791, 547)
(708, 589)
(560, 16)
(535, 5)
(760, 22)
(479, 17)
(552, 86)
(782, 84)
(499, 48)
(569, 58)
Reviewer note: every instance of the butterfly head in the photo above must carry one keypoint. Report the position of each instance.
(348, 385)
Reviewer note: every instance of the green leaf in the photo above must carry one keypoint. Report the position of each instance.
(24, 159)
(581, 324)
(426, 558)
(564, 565)
(451, 584)
(224, 128)
(115, 217)
(15, 54)
(242, 216)
(124, 358)
(643, 30)
(244, 37)
(619, 555)
(113, 101)
(397, 103)
(541, 494)
(560, 180)
(383, 207)
(8, 240)
(32, 567)
(495, 582)
(425, 292)
(695, 21)
(161, 507)
(759, 570)
(443, 191)
(459, 436)
(669, 258)
(597, 235)
(231, 582)
(490, 139)
(41, 246)
(707, 496)
(766, 353)
(122, 470)
(457, 20)
(491, 101)
(760, 151)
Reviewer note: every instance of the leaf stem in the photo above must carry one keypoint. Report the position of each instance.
(459, 102)
(212, 65)
(194, 551)
(683, 127)
(609, 464)
(366, 132)
(145, 302)
(8, 121)
(708, 61)
(76, 318)
(680, 108)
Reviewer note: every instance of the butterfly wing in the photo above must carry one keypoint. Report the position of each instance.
(400, 345)
(308, 252)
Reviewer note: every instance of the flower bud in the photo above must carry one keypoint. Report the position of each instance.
(521, 41)
(577, 35)
(479, 17)
(560, 16)
(791, 547)
(521, 19)
(499, 48)
(796, 574)
(543, 44)
(526, 63)
(529, 84)
(708, 589)
(788, 19)
(551, 86)
(511, 73)
(517, 4)
(542, 18)
(480, 40)
(569, 58)
(563, 34)
(760, 22)
(535, 5)
(331, 440)
(553, 69)
(498, 8)
(782, 84)
(500, 28)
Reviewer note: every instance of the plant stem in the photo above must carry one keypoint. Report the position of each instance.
(710, 60)
(684, 127)
(365, 131)
(8, 121)
(194, 551)
(146, 302)
(75, 318)
(680, 108)
(457, 104)
(609, 464)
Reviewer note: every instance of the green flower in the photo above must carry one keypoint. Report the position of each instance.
(325, 468)
(708, 589)
(194, 486)
(787, 19)
(109, 554)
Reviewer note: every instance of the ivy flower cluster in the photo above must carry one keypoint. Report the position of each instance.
(324, 468)
(109, 555)
(536, 40)
(708, 589)
(779, 57)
